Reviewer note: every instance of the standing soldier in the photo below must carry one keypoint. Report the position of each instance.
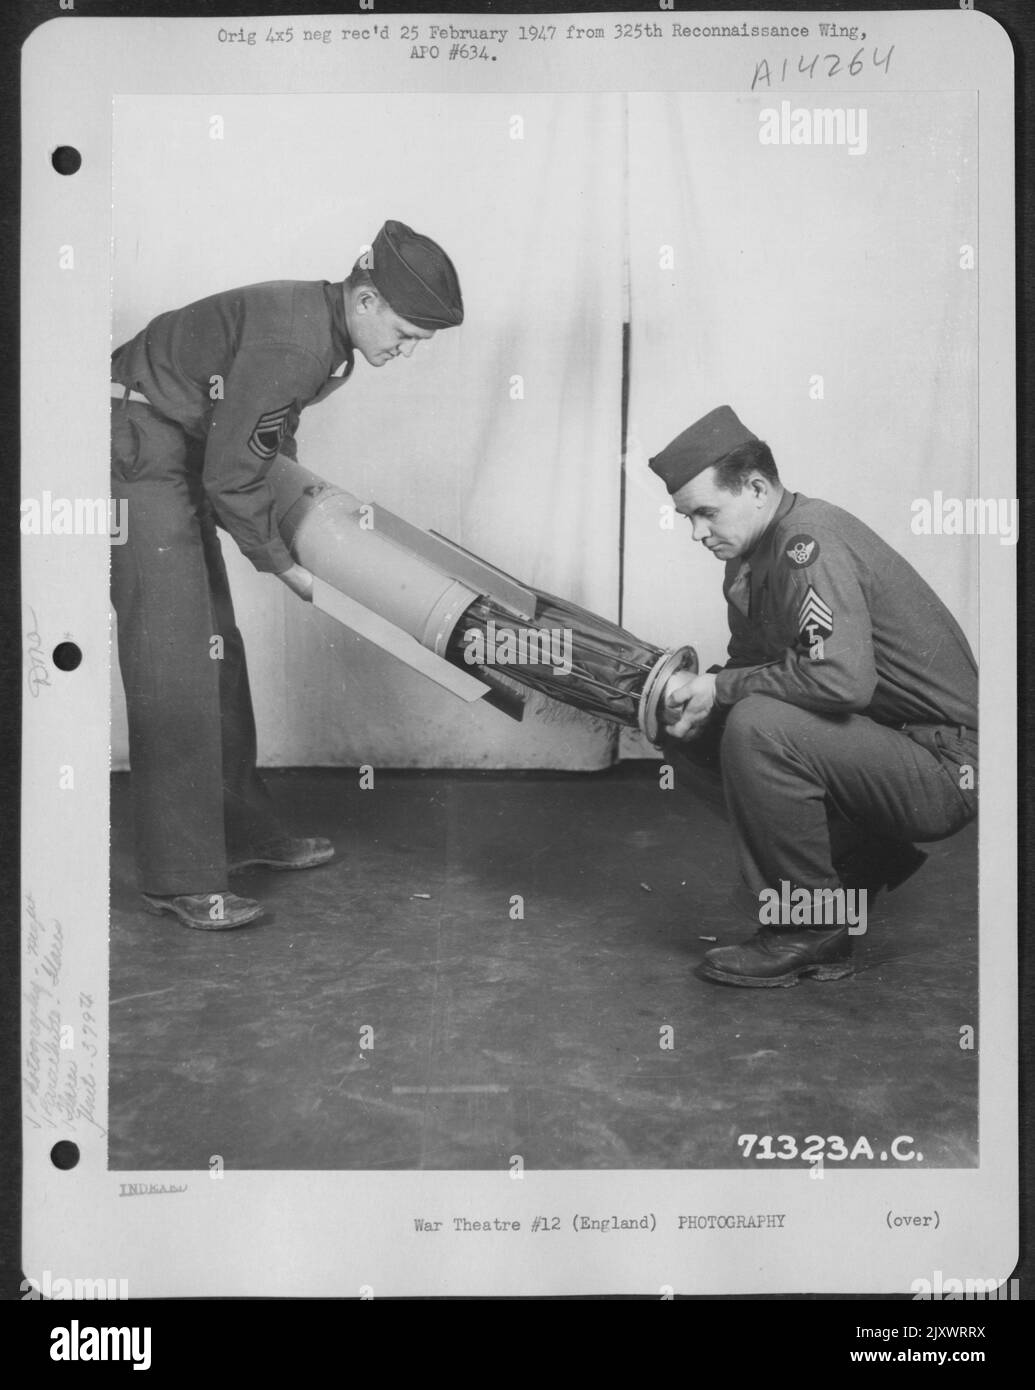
(844, 723)
(203, 400)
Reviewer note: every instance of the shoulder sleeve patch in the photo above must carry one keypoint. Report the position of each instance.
(801, 551)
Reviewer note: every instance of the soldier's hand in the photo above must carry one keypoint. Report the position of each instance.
(688, 703)
(678, 690)
(300, 581)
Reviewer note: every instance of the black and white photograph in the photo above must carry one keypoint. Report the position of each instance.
(537, 586)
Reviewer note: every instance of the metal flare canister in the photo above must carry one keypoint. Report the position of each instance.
(419, 596)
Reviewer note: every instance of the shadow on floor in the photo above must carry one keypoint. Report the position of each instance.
(494, 1034)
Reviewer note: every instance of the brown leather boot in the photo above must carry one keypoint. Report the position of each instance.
(288, 852)
(206, 911)
(772, 958)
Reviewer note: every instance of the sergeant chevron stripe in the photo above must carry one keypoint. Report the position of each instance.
(814, 617)
(265, 439)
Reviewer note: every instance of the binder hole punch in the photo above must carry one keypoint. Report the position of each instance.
(66, 159)
(67, 656)
(64, 1154)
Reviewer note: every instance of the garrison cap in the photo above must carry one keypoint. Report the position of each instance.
(706, 442)
(416, 277)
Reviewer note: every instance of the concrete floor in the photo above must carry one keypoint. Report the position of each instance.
(540, 1036)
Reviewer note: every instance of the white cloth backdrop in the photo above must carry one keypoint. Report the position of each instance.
(292, 191)
(753, 269)
(789, 262)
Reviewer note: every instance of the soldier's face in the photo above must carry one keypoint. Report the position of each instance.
(379, 333)
(726, 523)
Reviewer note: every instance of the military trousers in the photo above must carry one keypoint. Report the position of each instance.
(798, 786)
(197, 795)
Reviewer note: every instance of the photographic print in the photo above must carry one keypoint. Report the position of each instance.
(503, 805)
